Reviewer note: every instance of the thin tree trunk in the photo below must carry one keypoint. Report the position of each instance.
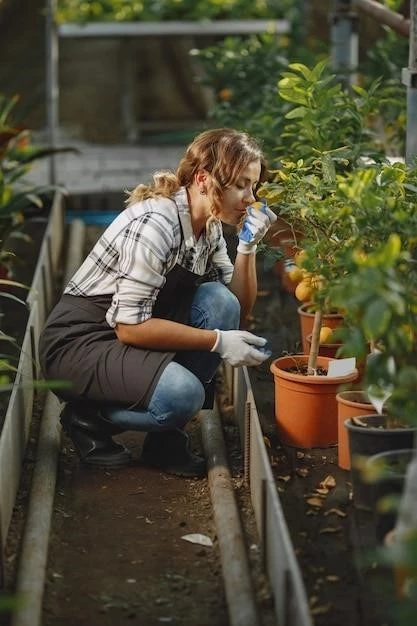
(314, 347)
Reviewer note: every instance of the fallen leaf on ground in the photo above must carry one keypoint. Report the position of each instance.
(332, 578)
(337, 512)
(330, 529)
(328, 482)
(321, 610)
(302, 471)
(202, 540)
(317, 502)
(285, 479)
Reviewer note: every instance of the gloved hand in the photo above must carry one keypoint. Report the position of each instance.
(256, 223)
(239, 347)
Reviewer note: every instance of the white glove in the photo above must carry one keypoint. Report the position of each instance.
(256, 223)
(237, 347)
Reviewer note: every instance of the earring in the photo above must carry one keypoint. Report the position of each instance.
(203, 192)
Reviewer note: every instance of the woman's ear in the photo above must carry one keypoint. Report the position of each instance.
(201, 178)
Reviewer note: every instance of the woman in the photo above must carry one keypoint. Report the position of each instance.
(143, 324)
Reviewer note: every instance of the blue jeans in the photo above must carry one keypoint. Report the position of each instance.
(179, 393)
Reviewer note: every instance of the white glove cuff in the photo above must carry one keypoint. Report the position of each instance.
(216, 345)
(246, 248)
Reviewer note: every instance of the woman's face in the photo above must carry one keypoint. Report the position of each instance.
(238, 196)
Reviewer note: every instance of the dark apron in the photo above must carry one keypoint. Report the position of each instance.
(78, 345)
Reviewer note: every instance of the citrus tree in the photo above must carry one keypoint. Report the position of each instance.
(331, 135)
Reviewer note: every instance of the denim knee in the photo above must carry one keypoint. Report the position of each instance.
(215, 306)
(173, 404)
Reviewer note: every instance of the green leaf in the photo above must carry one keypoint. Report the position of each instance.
(298, 112)
(377, 318)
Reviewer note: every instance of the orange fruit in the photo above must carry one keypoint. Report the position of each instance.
(303, 290)
(225, 94)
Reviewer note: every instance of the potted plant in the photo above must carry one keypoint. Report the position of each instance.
(380, 297)
(328, 133)
(330, 141)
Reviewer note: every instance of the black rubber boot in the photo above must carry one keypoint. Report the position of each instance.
(92, 438)
(169, 451)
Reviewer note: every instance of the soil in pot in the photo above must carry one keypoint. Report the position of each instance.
(369, 435)
(305, 405)
(386, 473)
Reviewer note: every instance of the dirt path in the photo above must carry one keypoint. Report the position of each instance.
(117, 551)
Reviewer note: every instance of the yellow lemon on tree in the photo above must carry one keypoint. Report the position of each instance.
(295, 274)
(303, 290)
(326, 334)
(299, 257)
(317, 281)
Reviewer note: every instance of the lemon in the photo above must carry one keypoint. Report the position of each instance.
(257, 205)
(303, 290)
(299, 257)
(317, 281)
(295, 274)
(326, 334)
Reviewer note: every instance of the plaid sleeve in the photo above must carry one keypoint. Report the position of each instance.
(147, 249)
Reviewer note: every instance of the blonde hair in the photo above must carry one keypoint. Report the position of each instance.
(222, 152)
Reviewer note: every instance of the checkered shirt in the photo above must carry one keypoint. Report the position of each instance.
(142, 244)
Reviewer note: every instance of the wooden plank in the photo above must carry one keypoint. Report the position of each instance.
(15, 431)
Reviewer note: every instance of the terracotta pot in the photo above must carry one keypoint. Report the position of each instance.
(305, 406)
(365, 441)
(325, 349)
(332, 320)
(349, 404)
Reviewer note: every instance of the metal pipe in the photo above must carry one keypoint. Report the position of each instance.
(52, 88)
(344, 41)
(409, 78)
(233, 554)
(386, 16)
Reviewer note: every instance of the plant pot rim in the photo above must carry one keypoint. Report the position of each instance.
(278, 366)
(302, 310)
(324, 345)
(372, 429)
(346, 397)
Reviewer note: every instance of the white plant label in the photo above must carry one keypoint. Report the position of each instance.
(341, 367)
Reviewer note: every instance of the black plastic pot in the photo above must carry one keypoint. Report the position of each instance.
(369, 439)
(386, 472)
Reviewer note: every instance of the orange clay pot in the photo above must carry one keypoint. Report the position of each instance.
(305, 406)
(349, 404)
(332, 320)
(325, 349)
